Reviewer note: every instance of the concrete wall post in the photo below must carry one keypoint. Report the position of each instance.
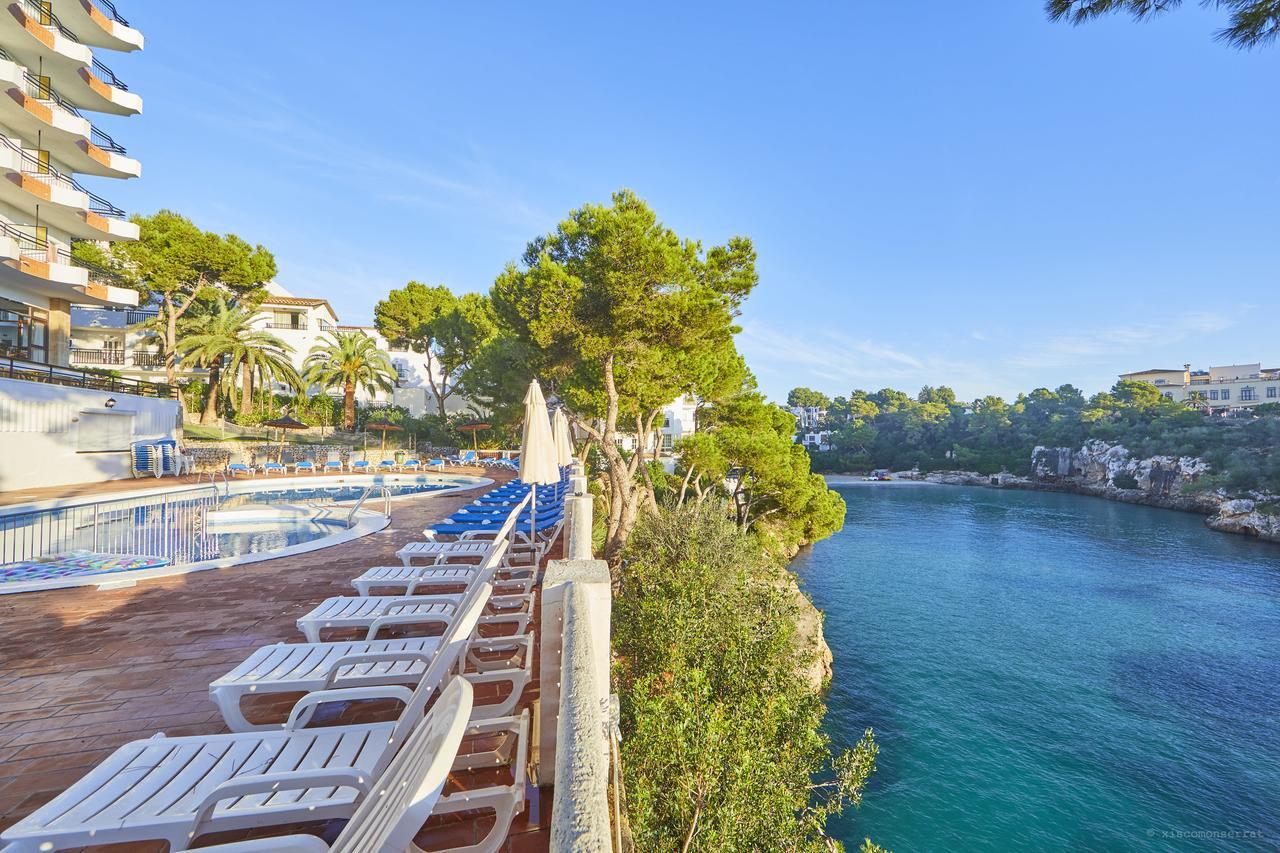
(592, 578)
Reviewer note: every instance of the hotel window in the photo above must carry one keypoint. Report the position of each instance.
(23, 331)
(1226, 393)
(42, 88)
(45, 10)
(1213, 395)
(1247, 394)
(42, 159)
(288, 320)
(1271, 390)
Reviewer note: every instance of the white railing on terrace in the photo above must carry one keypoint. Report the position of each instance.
(579, 737)
(170, 526)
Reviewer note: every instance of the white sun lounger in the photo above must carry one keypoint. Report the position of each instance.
(372, 613)
(308, 667)
(156, 789)
(406, 793)
(367, 831)
(435, 551)
(418, 580)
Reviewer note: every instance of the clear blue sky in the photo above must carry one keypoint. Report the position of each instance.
(940, 192)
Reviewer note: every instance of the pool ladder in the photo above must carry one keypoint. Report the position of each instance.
(213, 481)
(386, 503)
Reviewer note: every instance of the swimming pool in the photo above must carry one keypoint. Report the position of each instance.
(192, 528)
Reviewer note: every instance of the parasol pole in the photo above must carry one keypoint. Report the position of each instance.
(533, 523)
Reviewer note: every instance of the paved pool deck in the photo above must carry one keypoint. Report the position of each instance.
(83, 671)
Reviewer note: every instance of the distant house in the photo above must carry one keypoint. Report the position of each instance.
(1226, 388)
(811, 428)
(678, 419)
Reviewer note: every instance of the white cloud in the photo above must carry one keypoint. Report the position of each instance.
(1107, 344)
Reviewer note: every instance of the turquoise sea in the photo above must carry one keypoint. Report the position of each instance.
(1052, 672)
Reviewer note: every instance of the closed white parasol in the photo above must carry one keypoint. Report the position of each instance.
(537, 451)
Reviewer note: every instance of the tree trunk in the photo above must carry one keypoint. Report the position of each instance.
(210, 413)
(349, 406)
(439, 391)
(246, 388)
(171, 343)
(684, 485)
(620, 474)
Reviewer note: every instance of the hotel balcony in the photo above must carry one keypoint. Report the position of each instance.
(90, 357)
(62, 202)
(35, 37)
(110, 318)
(35, 111)
(97, 22)
(49, 271)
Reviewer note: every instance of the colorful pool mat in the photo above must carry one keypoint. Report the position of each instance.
(77, 563)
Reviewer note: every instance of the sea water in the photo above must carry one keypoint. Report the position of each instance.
(1051, 672)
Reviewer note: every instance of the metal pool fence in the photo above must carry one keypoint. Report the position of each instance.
(173, 526)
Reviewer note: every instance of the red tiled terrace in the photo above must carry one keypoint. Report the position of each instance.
(83, 671)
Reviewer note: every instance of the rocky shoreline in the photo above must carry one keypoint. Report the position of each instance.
(1109, 471)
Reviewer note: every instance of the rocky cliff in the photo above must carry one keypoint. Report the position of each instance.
(1110, 471)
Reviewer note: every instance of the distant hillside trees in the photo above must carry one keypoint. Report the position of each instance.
(933, 431)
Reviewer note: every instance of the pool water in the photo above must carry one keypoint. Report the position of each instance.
(191, 525)
(269, 535)
(336, 494)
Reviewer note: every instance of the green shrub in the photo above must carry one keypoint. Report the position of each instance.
(720, 731)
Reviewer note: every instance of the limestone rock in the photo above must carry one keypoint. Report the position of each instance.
(1244, 516)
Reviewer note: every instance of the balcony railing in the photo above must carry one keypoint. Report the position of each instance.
(41, 91)
(46, 174)
(108, 8)
(148, 359)
(28, 245)
(300, 326)
(133, 318)
(41, 13)
(84, 355)
(20, 368)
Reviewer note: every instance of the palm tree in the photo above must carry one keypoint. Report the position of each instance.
(351, 360)
(227, 345)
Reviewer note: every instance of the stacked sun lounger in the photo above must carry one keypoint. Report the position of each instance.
(386, 778)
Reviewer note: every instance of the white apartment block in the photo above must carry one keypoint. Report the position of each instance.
(109, 338)
(413, 377)
(811, 428)
(53, 85)
(808, 417)
(679, 419)
(1229, 387)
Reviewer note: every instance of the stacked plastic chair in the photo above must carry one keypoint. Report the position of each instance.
(145, 459)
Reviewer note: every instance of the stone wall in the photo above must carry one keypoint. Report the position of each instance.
(211, 455)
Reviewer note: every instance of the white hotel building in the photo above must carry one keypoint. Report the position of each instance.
(59, 424)
(108, 338)
(1231, 386)
(51, 85)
